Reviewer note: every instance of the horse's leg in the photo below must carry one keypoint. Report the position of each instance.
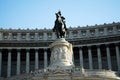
(61, 35)
(64, 33)
(57, 35)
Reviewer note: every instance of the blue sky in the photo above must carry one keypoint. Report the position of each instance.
(41, 13)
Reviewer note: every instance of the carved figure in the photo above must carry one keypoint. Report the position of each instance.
(60, 26)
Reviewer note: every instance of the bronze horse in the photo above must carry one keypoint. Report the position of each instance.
(60, 26)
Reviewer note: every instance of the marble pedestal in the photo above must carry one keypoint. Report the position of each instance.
(61, 55)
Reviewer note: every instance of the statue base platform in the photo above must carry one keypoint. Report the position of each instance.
(76, 74)
(67, 74)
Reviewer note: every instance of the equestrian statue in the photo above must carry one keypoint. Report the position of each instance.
(60, 26)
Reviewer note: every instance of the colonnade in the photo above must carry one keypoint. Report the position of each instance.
(18, 62)
(117, 51)
(36, 66)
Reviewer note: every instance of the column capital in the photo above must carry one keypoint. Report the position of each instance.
(45, 49)
(89, 47)
(116, 44)
(98, 46)
(9, 50)
(36, 49)
(0, 49)
(28, 49)
(80, 47)
(18, 49)
(107, 45)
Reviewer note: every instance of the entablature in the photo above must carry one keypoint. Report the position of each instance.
(32, 43)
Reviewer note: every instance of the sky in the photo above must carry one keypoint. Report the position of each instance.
(40, 14)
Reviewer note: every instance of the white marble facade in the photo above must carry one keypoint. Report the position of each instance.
(16, 46)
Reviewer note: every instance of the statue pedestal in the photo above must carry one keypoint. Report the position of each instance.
(61, 55)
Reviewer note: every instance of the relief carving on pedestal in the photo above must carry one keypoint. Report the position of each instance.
(63, 53)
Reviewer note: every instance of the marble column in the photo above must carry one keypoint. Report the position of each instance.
(73, 58)
(45, 58)
(9, 64)
(90, 58)
(27, 61)
(117, 56)
(99, 57)
(81, 57)
(36, 59)
(18, 62)
(0, 61)
(108, 57)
